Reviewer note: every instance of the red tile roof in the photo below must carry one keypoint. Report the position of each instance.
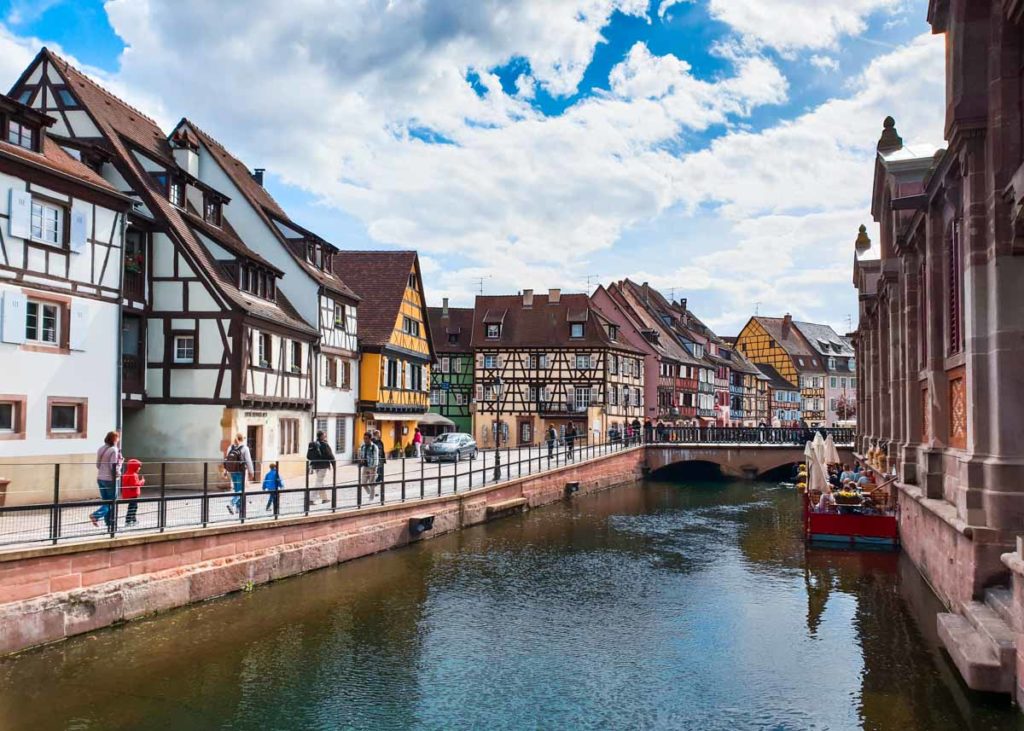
(125, 128)
(544, 324)
(380, 279)
(792, 342)
(53, 157)
(459, 322)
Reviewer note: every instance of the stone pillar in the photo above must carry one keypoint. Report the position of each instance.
(934, 381)
(912, 389)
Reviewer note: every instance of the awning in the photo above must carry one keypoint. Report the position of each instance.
(397, 417)
(432, 419)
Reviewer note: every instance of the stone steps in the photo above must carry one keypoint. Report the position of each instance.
(981, 642)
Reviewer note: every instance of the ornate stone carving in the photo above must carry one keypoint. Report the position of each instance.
(957, 408)
(926, 432)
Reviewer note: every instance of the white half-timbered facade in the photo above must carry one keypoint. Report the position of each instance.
(211, 344)
(61, 244)
(320, 297)
(550, 360)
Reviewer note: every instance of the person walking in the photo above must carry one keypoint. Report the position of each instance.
(237, 464)
(320, 458)
(368, 460)
(552, 439)
(570, 441)
(637, 433)
(131, 489)
(417, 442)
(272, 484)
(381, 457)
(108, 467)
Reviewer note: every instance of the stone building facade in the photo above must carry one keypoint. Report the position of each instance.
(941, 338)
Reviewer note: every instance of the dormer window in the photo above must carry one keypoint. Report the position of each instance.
(453, 338)
(494, 331)
(176, 193)
(613, 332)
(257, 281)
(21, 134)
(211, 209)
(576, 330)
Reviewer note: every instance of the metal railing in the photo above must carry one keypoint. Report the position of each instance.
(744, 435)
(188, 495)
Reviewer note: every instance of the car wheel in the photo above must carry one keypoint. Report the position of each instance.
(472, 455)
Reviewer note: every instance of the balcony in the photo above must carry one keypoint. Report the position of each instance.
(135, 283)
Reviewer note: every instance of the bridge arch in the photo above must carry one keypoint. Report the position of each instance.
(745, 462)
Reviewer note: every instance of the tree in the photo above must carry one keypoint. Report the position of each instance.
(846, 408)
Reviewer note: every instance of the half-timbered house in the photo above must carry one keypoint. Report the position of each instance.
(840, 363)
(309, 281)
(783, 398)
(548, 360)
(776, 342)
(394, 340)
(222, 350)
(61, 248)
(451, 381)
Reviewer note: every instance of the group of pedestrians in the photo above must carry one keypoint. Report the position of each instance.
(570, 437)
(111, 467)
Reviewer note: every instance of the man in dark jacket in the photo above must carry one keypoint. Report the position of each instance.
(552, 439)
(321, 461)
(570, 441)
(381, 454)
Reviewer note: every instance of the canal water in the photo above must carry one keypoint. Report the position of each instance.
(688, 605)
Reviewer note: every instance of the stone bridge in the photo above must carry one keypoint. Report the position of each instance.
(748, 461)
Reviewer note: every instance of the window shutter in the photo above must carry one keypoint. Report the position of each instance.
(79, 325)
(80, 220)
(13, 325)
(20, 215)
(479, 392)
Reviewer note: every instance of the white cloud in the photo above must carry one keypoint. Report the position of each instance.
(824, 63)
(21, 12)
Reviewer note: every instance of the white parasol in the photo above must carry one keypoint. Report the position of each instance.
(819, 447)
(831, 453)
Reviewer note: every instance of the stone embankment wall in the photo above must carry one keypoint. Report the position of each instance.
(54, 592)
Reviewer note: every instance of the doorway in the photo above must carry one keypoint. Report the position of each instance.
(397, 437)
(131, 354)
(525, 432)
(254, 439)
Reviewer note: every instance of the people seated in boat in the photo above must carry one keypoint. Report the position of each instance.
(833, 478)
(846, 475)
(826, 503)
(863, 481)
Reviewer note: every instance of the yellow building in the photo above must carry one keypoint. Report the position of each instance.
(394, 342)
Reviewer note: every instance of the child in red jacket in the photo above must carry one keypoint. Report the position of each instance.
(131, 488)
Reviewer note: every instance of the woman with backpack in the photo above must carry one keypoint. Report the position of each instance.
(238, 463)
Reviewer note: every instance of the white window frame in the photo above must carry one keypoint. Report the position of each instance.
(586, 361)
(39, 230)
(493, 331)
(339, 316)
(572, 330)
(36, 336)
(177, 350)
(490, 361)
(446, 364)
(18, 134)
(76, 408)
(456, 365)
(581, 398)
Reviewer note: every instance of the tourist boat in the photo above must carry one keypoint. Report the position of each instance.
(852, 524)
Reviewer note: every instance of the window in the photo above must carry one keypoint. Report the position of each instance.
(613, 332)
(490, 392)
(613, 396)
(264, 351)
(415, 378)
(533, 362)
(582, 398)
(66, 417)
(613, 364)
(853, 383)
(842, 383)
(42, 323)
(453, 338)
(410, 326)
(21, 135)
(184, 348)
(296, 357)
(331, 372)
(456, 365)
(211, 210)
(832, 382)
(176, 193)
(289, 436)
(576, 330)
(490, 361)
(67, 98)
(392, 373)
(446, 364)
(25, 96)
(340, 436)
(12, 417)
(6, 416)
(47, 223)
(494, 331)
(832, 404)
(346, 375)
(831, 364)
(460, 399)
(583, 361)
(412, 281)
(532, 394)
(435, 397)
(339, 316)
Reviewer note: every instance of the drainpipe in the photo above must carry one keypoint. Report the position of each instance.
(119, 403)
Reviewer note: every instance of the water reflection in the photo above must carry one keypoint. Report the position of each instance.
(661, 606)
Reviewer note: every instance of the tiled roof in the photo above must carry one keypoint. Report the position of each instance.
(459, 321)
(668, 345)
(380, 279)
(825, 340)
(124, 127)
(775, 379)
(543, 324)
(793, 343)
(265, 206)
(53, 157)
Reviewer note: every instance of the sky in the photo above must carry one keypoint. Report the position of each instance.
(721, 150)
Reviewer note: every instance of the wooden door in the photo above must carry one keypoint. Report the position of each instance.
(525, 432)
(398, 435)
(254, 438)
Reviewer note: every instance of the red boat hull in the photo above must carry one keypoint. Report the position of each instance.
(845, 529)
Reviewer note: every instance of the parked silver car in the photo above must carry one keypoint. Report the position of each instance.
(451, 446)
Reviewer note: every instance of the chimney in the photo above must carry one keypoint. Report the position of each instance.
(444, 307)
(186, 152)
(554, 296)
(787, 324)
(527, 298)
(682, 304)
(645, 288)
(257, 175)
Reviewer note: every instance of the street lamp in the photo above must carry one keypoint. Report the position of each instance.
(497, 431)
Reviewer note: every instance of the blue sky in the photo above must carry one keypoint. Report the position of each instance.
(719, 147)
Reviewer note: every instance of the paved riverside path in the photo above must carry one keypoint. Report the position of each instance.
(34, 526)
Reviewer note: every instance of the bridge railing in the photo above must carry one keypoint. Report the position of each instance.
(752, 435)
(196, 494)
